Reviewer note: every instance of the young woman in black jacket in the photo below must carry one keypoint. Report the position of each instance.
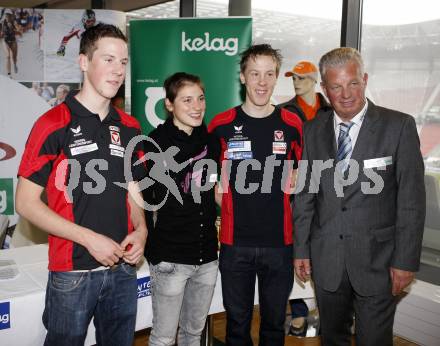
(182, 244)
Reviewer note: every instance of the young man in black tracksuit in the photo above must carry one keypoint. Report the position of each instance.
(256, 228)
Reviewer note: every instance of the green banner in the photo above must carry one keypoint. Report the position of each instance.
(207, 47)
(7, 196)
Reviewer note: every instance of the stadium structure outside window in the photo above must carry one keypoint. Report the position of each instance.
(402, 56)
(301, 32)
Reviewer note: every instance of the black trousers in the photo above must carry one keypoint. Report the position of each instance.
(374, 316)
(239, 267)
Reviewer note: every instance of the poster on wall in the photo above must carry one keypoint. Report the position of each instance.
(209, 48)
(38, 67)
(21, 30)
(20, 108)
(53, 93)
(62, 34)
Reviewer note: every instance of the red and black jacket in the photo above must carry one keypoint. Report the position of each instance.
(256, 208)
(82, 190)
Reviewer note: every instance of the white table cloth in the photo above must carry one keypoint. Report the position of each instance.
(22, 297)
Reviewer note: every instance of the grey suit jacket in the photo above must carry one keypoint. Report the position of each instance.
(366, 233)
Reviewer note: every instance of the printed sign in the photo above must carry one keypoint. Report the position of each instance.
(6, 196)
(5, 316)
(209, 48)
(144, 287)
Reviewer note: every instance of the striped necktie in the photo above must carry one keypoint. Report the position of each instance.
(344, 144)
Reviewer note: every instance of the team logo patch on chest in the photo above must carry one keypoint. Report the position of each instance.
(278, 136)
(116, 148)
(115, 137)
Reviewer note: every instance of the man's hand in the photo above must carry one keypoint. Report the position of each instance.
(134, 243)
(133, 246)
(103, 249)
(400, 279)
(303, 269)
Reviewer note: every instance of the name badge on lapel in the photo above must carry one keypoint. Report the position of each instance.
(378, 162)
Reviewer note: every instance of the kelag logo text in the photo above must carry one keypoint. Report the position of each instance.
(217, 44)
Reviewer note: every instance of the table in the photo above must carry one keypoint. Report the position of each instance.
(22, 298)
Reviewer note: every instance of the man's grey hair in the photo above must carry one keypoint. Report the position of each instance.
(339, 57)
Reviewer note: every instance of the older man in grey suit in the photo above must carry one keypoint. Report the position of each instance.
(360, 213)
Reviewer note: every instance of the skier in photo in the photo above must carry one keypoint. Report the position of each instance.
(88, 20)
(9, 30)
(40, 27)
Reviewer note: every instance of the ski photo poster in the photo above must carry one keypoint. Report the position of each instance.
(38, 68)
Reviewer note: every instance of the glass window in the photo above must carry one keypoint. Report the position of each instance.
(301, 30)
(212, 8)
(402, 58)
(168, 9)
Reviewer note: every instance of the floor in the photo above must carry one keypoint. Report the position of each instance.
(141, 338)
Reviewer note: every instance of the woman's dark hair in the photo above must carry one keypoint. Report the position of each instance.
(176, 81)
